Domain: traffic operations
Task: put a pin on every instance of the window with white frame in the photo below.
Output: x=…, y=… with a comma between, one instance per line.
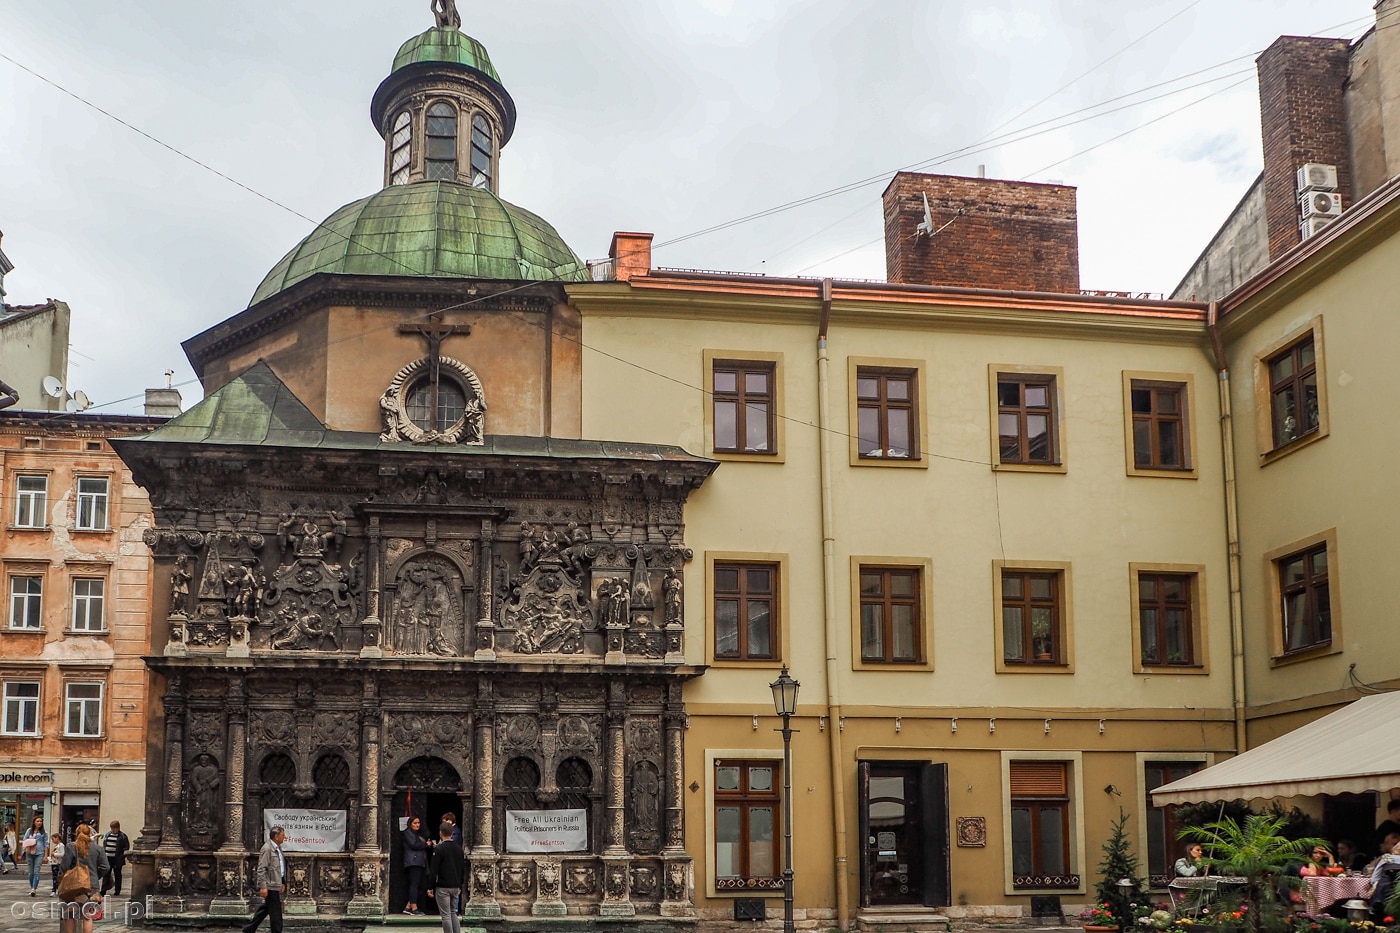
x=88, y=597
x=92, y=503
x=82, y=704
x=26, y=601
x=21, y=707
x=31, y=501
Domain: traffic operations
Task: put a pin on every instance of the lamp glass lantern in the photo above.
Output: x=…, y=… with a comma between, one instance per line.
x=785, y=693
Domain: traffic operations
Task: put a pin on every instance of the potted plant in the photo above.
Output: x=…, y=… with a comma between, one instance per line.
x=1254, y=849
x=1098, y=919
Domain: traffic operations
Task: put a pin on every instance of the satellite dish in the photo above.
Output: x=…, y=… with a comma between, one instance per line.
x=72, y=405
x=926, y=227
x=52, y=386
x=81, y=397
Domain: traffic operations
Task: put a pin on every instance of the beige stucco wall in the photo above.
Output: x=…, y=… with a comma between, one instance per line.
x=957, y=515
x=1341, y=481
x=33, y=346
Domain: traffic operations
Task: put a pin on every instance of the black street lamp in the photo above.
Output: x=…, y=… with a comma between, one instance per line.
x=785, y=702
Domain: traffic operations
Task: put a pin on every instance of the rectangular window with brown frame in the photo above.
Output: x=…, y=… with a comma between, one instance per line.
x=747, y=826
x=1032, y=616
x=1293, y=398
x=1163, y=845
x=887, y=413
x=1165, y=603
x=890, y=615
x=1026, y=419
x=1306, y=596
x=746, y=611
x=744, y=409
x=1040, y=825
x=1159, y=426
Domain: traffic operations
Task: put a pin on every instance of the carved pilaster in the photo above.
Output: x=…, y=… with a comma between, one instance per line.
x=371, y=628
x=675, y=781
x=231, y=901
x=676, y=899
x=481, y=884
x=368, y=902
x=615, y=759
x=617, y=885
x=486, y=572
x=174, y=763
x=549, y=898
x=485, y=768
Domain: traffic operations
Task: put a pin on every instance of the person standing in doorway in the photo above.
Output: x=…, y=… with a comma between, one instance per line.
x=35, y=845
x=272, y=868
x=114, y=843
x=415, y=860
x=446, y=872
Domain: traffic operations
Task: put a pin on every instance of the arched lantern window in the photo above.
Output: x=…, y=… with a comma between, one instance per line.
x=442, y=142
x=400, y=149
x=481, y=150
x=451, y=404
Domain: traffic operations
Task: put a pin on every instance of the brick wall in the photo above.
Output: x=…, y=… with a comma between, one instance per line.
x=1010, y=235
x=1303, y=119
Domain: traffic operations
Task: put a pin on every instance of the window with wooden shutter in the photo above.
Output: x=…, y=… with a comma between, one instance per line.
x=1040, y=857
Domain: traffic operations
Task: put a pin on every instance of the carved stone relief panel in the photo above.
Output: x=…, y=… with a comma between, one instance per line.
x=334, y=878
x=549, y=611
x=202, y=875
x=272, y=726
x=516, y=878
x=645, y=881
x=308, y=604
x=298, y=881
x=580, y=878
x=426, y=615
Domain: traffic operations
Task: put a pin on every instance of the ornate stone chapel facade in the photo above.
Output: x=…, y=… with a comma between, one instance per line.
x=393, y=580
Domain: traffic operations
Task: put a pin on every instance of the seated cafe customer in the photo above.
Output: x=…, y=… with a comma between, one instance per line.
x=1190, y=865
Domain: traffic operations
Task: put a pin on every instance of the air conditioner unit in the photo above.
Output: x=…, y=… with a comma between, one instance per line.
x=1317, y=176
x=1320, y=204
x=1314, y=225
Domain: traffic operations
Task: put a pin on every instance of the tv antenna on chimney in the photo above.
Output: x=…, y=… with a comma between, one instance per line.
x=926, y=227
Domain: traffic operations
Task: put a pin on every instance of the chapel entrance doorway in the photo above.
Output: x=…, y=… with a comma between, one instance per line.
x=904, y=834
x=427, y=788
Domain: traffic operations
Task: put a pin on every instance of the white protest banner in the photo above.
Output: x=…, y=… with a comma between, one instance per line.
x=309, y=830
x=546, y=830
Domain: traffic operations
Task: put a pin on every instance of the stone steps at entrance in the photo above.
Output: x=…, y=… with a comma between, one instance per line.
x=902, y=920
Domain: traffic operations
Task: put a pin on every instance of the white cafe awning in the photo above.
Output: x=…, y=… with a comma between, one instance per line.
x=1350, y=751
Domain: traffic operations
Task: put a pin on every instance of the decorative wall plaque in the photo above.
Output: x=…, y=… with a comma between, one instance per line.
x=972, y=831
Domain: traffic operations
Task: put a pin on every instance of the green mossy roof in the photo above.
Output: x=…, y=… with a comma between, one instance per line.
x=445, y=45
x=431, y=228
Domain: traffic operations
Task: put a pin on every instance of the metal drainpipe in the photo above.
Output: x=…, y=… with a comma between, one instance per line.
x=1232, y=530
x=833, y=669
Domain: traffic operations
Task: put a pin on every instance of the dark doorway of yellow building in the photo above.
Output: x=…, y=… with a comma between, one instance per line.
x=904, y=833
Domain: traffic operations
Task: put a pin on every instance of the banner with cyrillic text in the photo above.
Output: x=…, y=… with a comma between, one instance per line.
x=309, y=830
x=546, y=830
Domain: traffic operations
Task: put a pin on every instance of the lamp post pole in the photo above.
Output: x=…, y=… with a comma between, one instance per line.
x=785, y=702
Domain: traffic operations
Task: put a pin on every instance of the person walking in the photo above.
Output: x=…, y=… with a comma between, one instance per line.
x=56, y=853
x=114, y=843
x=7, y=849
x=415, y=861
x=446, y=871
x=272, y=867
x=35, y=845
x=86, y=851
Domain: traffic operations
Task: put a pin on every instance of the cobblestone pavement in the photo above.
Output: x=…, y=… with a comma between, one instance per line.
x=19, y=911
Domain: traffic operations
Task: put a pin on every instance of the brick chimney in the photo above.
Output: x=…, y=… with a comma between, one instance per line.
x=1303, y=118
x=630, y=254
x=1012, y=235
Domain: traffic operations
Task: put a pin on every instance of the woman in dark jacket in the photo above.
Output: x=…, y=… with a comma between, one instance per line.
x=415, y=860
x=96, y=860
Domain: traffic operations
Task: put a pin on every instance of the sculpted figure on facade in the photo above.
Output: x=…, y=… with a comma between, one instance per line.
x=671, y=589
x=180, y=577
x=205, y=783
x=307, y=603
x=549, y=611
x=427, y=609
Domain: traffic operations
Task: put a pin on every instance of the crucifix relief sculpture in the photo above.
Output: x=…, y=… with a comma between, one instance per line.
x=437, y=399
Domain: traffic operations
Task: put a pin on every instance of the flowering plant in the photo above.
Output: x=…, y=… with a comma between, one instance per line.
x=1100, y=915
x=1158, y=919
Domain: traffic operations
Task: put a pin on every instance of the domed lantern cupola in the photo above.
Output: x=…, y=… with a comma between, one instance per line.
x=443, y=111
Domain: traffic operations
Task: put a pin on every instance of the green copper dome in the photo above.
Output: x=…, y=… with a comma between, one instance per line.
x=432, y=228
x=445, y=44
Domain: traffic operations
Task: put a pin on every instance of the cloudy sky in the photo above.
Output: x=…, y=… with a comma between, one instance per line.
x=670, y=116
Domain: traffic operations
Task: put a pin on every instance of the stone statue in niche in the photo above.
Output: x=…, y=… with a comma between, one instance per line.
x=549, y=611
x=243, y=590
x=671, y=590
x=645, y=790
x=427, y=609
x=180, y=577
x=205, y=782
x=613, y=599
x=307, y=604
